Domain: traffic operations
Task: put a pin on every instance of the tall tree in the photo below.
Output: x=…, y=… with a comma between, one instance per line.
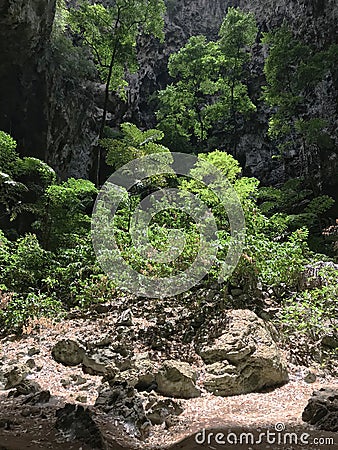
x=111, y=28
x=293, y=70
x=209, y=91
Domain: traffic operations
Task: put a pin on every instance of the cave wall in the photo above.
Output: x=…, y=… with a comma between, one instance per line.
x=56, y=119
x=25, y=27
x=313, y=20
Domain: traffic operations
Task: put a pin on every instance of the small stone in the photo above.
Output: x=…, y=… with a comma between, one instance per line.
x=65, y=382
x=78, y=379
x=125, y=319
x=16, y=375
x=39, y=397
x=30, y=363
x=310, y=377
x=33, y=351
x=27, y=387
x=236, y=292
x=330, y=341
x=81, y=398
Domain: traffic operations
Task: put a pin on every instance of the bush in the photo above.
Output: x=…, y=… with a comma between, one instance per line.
x=20, y=309
x=8, y=154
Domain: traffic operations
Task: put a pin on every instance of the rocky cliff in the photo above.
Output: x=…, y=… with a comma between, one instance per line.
x=54, y=118
x=314, y=21
x=25, y=27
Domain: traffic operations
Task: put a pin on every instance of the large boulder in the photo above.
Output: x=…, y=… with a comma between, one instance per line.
x=322, y=410
x=141, y=374
x=99, y=362
x=242, y=357
x=177, y=379
x=68, y=352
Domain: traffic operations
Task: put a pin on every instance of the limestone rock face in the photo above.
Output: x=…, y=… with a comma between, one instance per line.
x=177, y=379
x=57, y=118
x=322, y=410
x=243, y=357
x=25, y=28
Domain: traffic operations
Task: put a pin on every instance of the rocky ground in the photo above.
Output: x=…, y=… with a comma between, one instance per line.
x=142, y=374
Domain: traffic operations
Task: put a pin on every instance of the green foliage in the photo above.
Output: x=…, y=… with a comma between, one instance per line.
x=66, y=213
x=279, y=263
x=24, y=181
x=76, y=275
x=313, y=312
x=73, y=62
x=133, y=144
x=36, y=171
x=25, y=265
x=19, y=310
x=295, y=204
x=208, y=91
x=8, y=154
x=110, y=31
x=292, y=69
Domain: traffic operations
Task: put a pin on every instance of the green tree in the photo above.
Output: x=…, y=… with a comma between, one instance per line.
x=110, y=29
x=132, y=143
x=293, y=69
x=208, y=91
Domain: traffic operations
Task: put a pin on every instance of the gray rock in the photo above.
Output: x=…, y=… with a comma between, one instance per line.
x=33, y=351
x=236, y=292
x=78, y=423
x=123, y=402
x=37, y=398
x=313, y=275
x=310, y=376
x=322, y=410
x=141, y=376
x=27, y=387
x=162, y=410
x=68, y=352
x=125, y=319
x=30, y=363
x=177, y=379
x=330, y=341
x=104, y=361
x=15, y=375
x=243, y=358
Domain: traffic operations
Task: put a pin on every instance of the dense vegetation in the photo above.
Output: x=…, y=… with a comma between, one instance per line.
x=47, y=261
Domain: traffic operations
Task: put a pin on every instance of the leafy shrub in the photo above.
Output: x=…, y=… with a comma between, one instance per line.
x=20, y=309
x=66, y=212
x=26, y=264
x=8, y=154
x=310, y=316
